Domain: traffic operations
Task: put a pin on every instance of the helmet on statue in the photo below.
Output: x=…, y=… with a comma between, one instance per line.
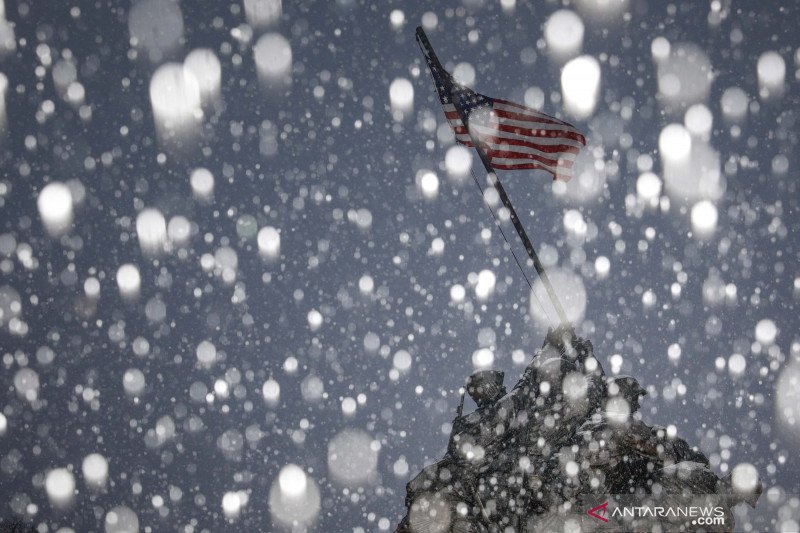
x=628, y=388
x=486, y=387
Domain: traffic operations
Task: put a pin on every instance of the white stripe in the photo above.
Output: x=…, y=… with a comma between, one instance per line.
x=511, y=109
x=455, y=123
x=528, y=112
x=521, y=162
x=566, y=156
x=567, y=173
x=533, y=125
x=502, y=135
x=482, y=130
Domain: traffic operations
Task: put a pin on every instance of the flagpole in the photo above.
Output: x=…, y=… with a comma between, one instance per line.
x=427, y=49
x=495, y=182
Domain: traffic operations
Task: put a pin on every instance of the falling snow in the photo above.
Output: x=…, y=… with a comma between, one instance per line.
x=245, y=271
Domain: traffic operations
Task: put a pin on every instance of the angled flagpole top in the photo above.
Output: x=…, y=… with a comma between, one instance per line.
x=459, y=98
x=427, y=49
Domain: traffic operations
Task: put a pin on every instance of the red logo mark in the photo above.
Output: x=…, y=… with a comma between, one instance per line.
x=593, y=512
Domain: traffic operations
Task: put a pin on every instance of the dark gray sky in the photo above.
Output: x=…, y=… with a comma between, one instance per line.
x=385, y=286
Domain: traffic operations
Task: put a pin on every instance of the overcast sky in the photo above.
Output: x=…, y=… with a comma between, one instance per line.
x=243, y=264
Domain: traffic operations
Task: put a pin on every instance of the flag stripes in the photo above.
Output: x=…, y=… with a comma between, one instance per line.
x=516, y=137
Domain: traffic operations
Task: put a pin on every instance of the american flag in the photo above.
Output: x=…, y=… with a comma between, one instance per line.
x=513, y=136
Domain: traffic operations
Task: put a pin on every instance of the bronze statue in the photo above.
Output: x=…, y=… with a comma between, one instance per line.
x=566, y=434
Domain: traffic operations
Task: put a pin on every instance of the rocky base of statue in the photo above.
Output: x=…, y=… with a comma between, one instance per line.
x=566, y=450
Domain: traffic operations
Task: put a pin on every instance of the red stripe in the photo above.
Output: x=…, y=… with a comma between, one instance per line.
x=540, y=133
x=549, y=148
x=522, y=167
x=533, y=111
x=541, y=119
x=531, y=165
x=517, y=155
x=574, y=135
x=518, y=106
x=530, y=118
x=557, y=149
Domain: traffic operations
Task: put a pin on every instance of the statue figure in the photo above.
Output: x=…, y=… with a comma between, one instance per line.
x=564, y=434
